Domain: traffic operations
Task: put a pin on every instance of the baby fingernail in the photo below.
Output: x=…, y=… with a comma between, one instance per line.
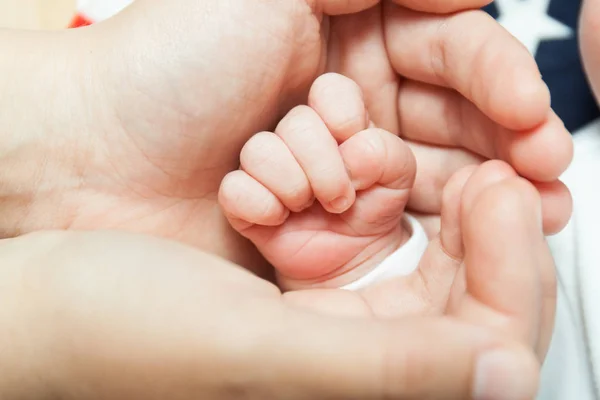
x=498, y=377
x=308, y=205
x=340, y=204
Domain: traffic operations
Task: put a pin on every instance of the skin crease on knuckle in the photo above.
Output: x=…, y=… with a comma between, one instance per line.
x=294, y=128
x=293, y=124
x=406, y=159
x=301, y=195
x=374, y=149
x=258, y=150
x=350, y=123
x=348, y=115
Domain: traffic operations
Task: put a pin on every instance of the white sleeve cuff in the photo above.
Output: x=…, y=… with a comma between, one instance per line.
x=402, y=262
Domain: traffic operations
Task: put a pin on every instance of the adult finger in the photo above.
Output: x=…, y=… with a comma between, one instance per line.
x=439, y=269
x=336, y=7
x=410, y=358
x=471, y=53
x=438, y=164
x=357, y=50
x=144, y=321
x=505, y=251
x=450, y=229
x=541, y=154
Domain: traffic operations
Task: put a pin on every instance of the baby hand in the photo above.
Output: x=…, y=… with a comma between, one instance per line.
x=323, y=196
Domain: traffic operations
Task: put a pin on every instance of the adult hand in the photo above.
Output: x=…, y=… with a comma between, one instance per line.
x=106, y=315
x=458, y=97
x=171, y=91
x=489, y=265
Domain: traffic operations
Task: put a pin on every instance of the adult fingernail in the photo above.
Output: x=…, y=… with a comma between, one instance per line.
x=502, y=375
x=340, y=204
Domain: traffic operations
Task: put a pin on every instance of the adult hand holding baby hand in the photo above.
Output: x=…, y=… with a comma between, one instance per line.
x=179, y=87
x=285, y=198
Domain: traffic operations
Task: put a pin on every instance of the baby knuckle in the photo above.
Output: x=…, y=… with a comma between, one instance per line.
x=259, y=150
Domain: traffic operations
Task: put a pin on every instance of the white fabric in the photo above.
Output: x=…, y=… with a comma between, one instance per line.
x=572, y=369
x=96, y=11
x=402, y=262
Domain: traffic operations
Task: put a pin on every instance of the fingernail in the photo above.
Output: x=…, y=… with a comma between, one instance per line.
x=340, y=204
x=498, y=376
x=308, y=205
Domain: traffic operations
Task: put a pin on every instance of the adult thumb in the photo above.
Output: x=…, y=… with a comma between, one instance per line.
x=413, y=358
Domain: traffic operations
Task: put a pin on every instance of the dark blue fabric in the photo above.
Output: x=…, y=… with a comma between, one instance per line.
x=560, y=64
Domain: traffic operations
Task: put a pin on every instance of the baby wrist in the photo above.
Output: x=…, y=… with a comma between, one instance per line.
x=401, y=262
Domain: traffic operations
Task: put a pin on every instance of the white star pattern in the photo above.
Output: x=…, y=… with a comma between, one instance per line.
x=528, y=21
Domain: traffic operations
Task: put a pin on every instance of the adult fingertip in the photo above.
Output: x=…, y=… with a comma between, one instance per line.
x=519, y=98
x=513, y=199
x=531, y=102
x=485, y=176
x=557, y=206
x=505, y=374
x=542, y=154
